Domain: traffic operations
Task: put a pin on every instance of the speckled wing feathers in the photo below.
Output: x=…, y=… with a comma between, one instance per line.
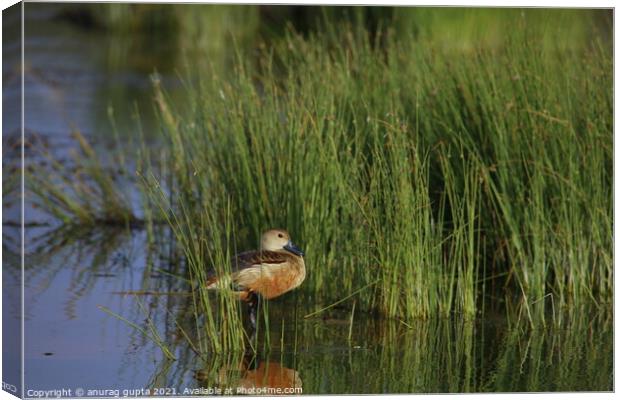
x=253, y=258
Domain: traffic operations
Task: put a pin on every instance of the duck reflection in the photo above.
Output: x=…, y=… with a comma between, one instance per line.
x=254, y=376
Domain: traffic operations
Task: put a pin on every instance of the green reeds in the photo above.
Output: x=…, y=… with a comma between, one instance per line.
x=203, y=234
x=391, y=158
x=429, y=172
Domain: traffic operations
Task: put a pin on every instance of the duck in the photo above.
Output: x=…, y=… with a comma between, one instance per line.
x=277, y=267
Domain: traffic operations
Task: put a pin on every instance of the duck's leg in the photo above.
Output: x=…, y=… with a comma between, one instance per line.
x=253, y=303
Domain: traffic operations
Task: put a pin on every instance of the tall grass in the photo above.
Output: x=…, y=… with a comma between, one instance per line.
x=217, y=316
x=405, y=164
x=426, y=169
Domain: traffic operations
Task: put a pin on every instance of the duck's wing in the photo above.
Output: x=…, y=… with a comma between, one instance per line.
x=249, y=266
x=249, y=259
x=269, y=273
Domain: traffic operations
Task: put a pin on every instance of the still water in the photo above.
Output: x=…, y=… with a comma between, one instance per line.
x=75, y=78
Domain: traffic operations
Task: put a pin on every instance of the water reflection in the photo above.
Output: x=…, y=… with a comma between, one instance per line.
x=73, y=272
x=251, y=375
x=87, y=255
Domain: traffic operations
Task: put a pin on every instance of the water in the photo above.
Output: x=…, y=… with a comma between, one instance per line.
x=74, y=77
x=72, y=343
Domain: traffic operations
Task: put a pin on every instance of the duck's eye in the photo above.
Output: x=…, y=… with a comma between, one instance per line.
x=280, y=235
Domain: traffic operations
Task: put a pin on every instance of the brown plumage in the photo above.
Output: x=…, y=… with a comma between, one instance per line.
x=275, y=269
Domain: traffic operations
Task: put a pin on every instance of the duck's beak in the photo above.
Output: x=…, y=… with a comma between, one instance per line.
x=290, y=246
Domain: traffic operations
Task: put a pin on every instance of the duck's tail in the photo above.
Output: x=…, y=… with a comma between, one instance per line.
x=213, y=283
x=216, y=283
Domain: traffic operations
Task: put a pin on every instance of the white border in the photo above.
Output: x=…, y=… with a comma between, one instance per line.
x=462, y=3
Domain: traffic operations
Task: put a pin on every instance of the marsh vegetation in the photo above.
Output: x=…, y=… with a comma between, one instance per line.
x=441, y=169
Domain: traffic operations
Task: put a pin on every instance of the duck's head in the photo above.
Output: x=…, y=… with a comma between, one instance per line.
x=279, y=239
